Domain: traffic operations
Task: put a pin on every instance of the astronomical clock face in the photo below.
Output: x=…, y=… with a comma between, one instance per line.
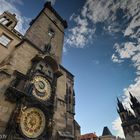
x=42, y=88
x=32, y=122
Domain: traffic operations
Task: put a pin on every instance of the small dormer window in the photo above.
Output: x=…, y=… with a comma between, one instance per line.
x=9, y=23
x=5, y=21
x=51, y=32
x=5, y=40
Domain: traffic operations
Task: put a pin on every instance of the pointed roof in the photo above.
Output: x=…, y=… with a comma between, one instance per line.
x=134, y=101
x=120, y=106
x=106, y=131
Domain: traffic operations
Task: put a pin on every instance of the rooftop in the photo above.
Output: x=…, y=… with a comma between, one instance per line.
x=89, y=135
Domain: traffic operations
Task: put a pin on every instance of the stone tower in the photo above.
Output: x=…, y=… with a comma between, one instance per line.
x=130, y=121
x=37, y=98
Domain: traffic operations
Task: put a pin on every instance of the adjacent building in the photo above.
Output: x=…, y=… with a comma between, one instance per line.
x=37, y=98
x=130, y=121
x=89, y=136
x=107, y=135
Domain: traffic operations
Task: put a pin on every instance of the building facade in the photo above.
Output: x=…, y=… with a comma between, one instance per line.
x=130, y=121
x=37, y=99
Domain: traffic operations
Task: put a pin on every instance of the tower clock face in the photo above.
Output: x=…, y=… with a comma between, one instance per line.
x=42, y=88
x=32, y=122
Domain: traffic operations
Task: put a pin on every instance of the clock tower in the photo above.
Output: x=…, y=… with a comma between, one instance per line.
x=37, y=96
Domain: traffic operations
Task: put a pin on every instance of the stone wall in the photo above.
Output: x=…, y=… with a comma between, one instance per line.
x=39, y=30
x=6, y=50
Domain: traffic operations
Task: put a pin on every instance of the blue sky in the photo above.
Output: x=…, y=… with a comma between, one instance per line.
x=101, y=49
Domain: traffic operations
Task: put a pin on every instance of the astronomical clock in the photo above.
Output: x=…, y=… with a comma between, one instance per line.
x=42, y=88
x=33, y=115
x=32, y=122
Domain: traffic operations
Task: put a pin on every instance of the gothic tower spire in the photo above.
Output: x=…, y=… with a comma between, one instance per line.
x=120, y=106
x=122, y=111
x=135, y=104
x=130, y=122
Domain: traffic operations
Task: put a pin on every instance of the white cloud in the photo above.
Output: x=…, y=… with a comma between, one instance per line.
x=78, y=33
x=98, y=11
x=125, y=50
x=115, y=59
x=95, y=11
x=16, y=1
x=117, y=127
x=23, y=22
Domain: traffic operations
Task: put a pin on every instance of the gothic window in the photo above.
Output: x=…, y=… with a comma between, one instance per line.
x=5, y=40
